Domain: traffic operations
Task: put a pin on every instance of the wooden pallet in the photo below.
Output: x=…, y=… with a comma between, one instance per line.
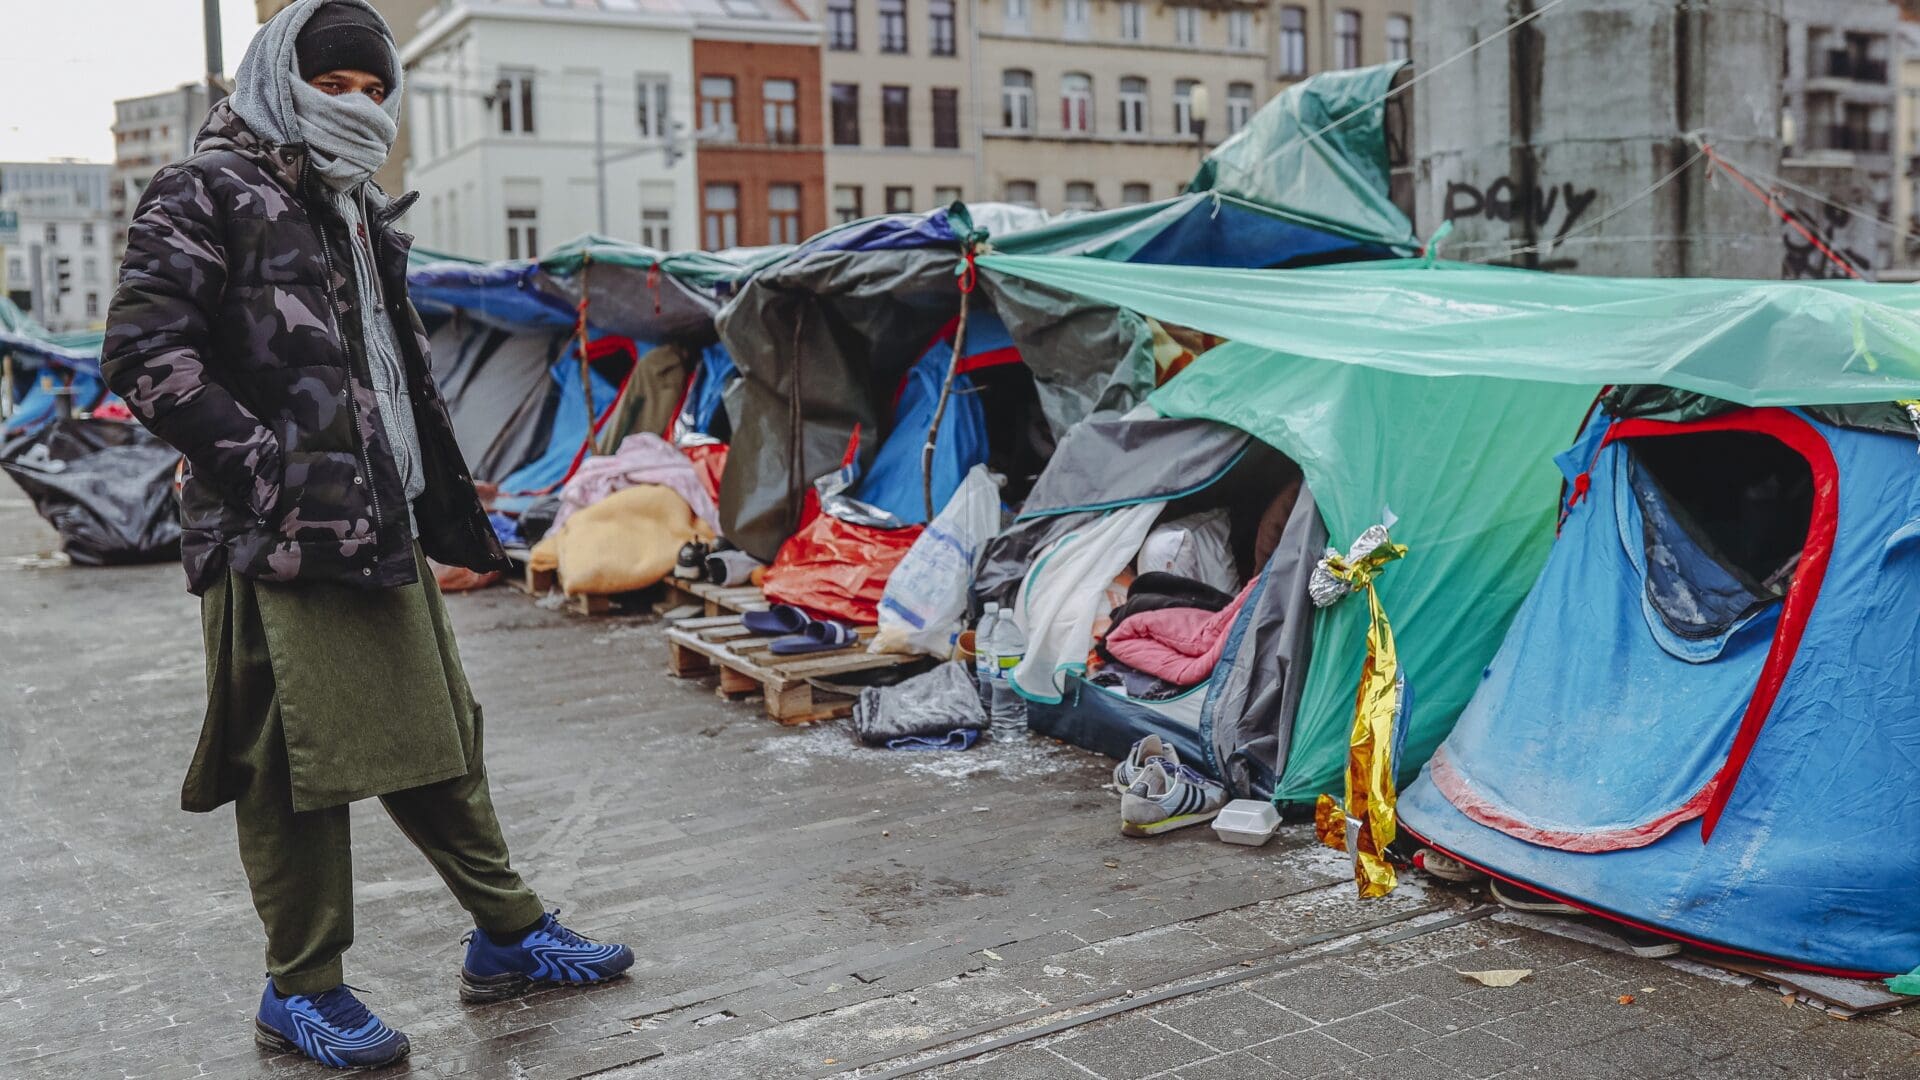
x=538, y=583
x=746, y=665
x=713, y=600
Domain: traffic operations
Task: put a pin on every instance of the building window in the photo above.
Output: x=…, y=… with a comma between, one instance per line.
x=848, y=203
x=1133, y=105
x=846, y=114
x=899, y=200
x=783, y=213
x=1014, y=16
x=1183, y=106
x=1240, y=29
x=843, y=27
x=1293, y=42
x=946, y=118
x=893, y=26
x=651, y=96
x=1135, y=193
x=89, y=266
x=1133, y=20
x=720, y=216
x=780, y=101
x=1399, y=37
x=1076, y=15
x=945, y=196
x=893, y=116
x=1080, y=196
x=1239, y=106
x=940, y=39
x=86, y=234
x=1346, y=38
x=716, y=108
x=1016, y=100
x=1076, y=103
x=1022, y=193
x=52, y=234
x=93, y=305
x=656, y=214
x=1186, y=25
x=514, y=96
x=523, y=232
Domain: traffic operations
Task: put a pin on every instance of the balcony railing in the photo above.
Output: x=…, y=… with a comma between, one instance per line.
x=1844, y=64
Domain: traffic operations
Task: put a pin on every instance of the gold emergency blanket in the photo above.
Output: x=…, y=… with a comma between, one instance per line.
x=1366, y=824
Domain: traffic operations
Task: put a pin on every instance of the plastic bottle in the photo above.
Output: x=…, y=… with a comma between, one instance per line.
x=986, y=666
x=1008, y=646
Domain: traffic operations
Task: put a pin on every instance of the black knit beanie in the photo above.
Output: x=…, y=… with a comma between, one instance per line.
x=344, y=36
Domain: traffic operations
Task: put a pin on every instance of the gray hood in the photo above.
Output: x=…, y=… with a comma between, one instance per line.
x=348, y=137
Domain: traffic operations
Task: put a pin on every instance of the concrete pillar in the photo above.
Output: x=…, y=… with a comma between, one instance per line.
x=1541, y=146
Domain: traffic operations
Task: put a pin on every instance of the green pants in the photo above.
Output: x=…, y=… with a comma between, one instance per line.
x=320, y=695
x=300, y=865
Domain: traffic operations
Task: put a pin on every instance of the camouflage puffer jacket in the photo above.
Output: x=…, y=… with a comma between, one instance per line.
x=235, y=336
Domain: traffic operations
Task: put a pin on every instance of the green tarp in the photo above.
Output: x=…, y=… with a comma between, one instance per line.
x=1439, y=399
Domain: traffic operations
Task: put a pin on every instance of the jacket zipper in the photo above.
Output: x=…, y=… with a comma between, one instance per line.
x=353, y=407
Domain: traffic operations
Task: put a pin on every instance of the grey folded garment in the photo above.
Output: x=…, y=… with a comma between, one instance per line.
x=934, y=705
x=731, y=567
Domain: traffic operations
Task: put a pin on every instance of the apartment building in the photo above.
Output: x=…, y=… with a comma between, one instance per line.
x=1906, y=149
x=61, y=270
x=1084, y=104
x=1838, y=96
x=759, y=135
x=896, y=78
x=534, y=123
x=149, y=133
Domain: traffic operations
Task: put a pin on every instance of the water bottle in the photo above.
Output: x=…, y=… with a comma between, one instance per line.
x=986, y=667
x=1008, y=647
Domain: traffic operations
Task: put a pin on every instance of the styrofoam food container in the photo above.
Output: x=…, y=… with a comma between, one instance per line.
x=1247, y=821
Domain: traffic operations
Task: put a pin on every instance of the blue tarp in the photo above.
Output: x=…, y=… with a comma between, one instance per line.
x=40, y=404
x=895, y=481
x=704, y=398
x=569, y=432
x=1583, y=762
x=500, y=294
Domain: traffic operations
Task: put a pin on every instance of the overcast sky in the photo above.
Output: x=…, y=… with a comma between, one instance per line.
x=63, y=62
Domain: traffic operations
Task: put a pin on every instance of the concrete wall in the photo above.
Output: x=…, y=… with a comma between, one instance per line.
x=1542, y=145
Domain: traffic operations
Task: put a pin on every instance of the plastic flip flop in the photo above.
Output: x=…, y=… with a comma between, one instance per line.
x=823, y=636
x=778, y=619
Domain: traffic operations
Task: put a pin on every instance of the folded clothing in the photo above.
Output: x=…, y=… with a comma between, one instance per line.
x=1137, y=685
x=929, y=706
x=957, y=739
x=1181, y=644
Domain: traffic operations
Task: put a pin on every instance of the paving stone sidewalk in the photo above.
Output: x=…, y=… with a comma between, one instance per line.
x=802, y=908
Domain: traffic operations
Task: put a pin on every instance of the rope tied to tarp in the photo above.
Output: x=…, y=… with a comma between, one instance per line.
x=967, y=276
x=1365, y=822
x=653, y=285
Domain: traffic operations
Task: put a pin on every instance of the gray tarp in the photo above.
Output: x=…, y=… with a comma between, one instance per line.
x=822, y=340
x=495, y=384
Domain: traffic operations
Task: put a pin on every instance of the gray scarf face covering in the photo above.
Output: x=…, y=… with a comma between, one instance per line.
x=348, y=137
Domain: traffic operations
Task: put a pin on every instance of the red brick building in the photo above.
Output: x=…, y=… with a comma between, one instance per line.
x=760, y=150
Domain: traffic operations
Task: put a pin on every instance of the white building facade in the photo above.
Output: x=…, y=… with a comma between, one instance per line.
x=65, y=234
x=503, y=97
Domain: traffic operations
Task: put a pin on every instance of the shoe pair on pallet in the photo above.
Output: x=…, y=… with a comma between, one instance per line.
x=1158, y=794
x=719, y=563
x=335, y=1029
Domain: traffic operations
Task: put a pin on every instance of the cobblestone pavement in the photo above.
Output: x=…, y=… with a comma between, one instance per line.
x=801, y=908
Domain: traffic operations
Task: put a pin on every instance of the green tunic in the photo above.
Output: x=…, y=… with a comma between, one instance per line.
x=367, y=685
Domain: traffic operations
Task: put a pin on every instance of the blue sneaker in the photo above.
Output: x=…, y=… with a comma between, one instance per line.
x=331, y=1028
x=551, y=955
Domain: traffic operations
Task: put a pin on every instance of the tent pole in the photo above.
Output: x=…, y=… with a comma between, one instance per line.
x=586, y=369
x=946, y=390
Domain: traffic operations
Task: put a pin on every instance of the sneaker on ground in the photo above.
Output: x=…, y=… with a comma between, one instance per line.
x=691, y=565
x=1164, y=798
x=1521, y=898
x=332, y=1028
x=551, y=955
x=1445, y=867
x=1147, y=749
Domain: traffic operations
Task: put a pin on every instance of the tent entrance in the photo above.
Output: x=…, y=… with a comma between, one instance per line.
x=1723, y=518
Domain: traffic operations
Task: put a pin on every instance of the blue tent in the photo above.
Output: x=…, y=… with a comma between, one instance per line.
x=1703, y=719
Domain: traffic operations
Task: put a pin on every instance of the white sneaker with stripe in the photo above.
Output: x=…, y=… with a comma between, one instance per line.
x=1165, y=798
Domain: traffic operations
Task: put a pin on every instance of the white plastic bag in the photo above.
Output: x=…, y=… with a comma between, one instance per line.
x=924, y=605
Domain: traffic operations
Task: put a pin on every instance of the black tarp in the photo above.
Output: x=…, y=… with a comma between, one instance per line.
x=106, y=486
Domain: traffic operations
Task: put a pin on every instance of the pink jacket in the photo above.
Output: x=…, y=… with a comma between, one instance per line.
x=1180, y=645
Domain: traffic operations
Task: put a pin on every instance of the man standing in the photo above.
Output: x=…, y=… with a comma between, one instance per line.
x=262, y=328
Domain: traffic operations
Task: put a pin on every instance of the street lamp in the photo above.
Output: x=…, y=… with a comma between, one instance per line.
x=1198, y=102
